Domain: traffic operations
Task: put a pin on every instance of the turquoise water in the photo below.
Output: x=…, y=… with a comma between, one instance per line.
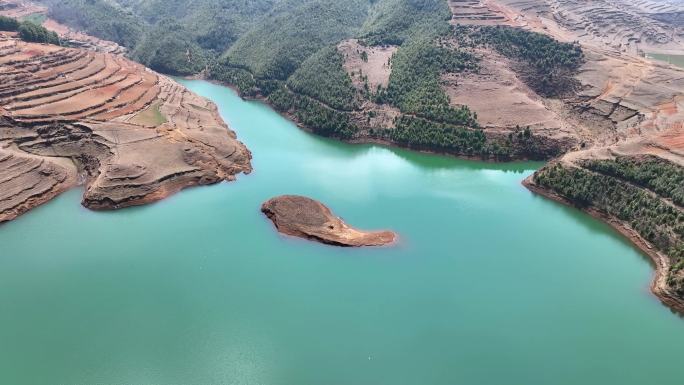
x=677, y=60
x=489, y=284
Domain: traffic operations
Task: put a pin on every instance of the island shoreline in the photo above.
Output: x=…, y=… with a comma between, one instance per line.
x=661, y=262
x=309, y=219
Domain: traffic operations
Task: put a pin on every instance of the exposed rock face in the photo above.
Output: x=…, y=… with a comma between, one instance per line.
x=306, y=218
x=132, y=135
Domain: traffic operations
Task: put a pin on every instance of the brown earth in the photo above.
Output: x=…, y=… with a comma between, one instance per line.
x=619, y=25
x=19, y=9
x=71, y=116
x=375, y=72
x=500, y=98
x=478, y=12
x=376, y=69
x=309, y=219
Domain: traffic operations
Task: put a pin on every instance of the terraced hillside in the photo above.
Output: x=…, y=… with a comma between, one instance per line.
x=524, y=105
x=477, y=12
x=622, y=25
x=71, y=116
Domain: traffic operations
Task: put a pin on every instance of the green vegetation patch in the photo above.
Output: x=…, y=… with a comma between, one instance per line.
x=168, y=48
x=414, y=85
x=322, y=77
x=424, y=134
x=9, y=24
x=656, y=174
x=293, y=31
x=101, y=18
x=392, y=22
x=35, y=18
x=320, y=119
x=241, y=78
x=29, y=31
x=172, y=36
x=151, y=116
x=213, y=24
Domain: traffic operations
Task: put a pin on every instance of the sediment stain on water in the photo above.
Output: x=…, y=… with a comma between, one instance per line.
x=488, y=285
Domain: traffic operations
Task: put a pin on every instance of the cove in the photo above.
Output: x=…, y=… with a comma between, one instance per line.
x=488, y=285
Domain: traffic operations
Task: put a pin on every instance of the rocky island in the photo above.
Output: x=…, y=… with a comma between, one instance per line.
x=306, y=218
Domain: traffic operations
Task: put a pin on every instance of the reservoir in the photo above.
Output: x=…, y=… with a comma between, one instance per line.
x=488, y=285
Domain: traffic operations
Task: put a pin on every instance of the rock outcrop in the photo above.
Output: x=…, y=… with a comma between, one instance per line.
x=306, y=218
x=132, y=136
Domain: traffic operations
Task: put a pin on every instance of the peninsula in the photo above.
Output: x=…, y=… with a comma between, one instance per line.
x=72, y=116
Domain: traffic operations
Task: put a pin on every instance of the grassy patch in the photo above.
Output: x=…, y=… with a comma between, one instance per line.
x=35, y=18
x=151, y=116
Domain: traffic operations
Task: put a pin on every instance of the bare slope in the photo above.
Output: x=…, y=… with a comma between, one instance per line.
x=69, y=115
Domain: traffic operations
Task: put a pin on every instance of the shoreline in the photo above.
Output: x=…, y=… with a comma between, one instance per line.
x=658, y=286
x=662, y=263
x=363, y=140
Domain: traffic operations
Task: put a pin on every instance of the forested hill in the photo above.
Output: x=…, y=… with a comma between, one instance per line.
x=269, y=37
x=289, y=52
x=294, y=30
x=178, y=37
